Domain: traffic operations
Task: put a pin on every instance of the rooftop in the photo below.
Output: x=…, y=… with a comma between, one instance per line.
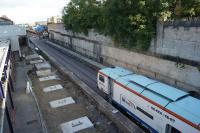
x=116, y=72
x=5, y=21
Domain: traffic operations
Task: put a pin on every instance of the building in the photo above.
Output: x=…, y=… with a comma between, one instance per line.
x=5, y=21
x=6, y=87
x=11, y=32
x=41, y=23
x=55, y=19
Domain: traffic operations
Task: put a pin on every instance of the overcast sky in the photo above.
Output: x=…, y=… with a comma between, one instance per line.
x=26, y=11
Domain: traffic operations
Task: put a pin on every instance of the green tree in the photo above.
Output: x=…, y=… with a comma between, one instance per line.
x=82, y=15
x=131, y=23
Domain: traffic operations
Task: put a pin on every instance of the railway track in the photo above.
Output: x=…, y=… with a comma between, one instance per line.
x=84, y=72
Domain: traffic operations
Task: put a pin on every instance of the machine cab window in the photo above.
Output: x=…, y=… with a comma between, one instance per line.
x=101, y=78
x=103, y=83
x=171, y=129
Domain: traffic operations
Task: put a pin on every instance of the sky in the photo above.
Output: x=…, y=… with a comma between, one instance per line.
x=28, y=11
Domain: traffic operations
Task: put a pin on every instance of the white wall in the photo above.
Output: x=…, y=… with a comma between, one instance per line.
x=187, y=78
x=178, y=40
x=12, y=32
x=154, y=67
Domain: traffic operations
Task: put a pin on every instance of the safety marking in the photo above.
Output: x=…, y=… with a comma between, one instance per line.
x=62, y=102
x=36, y=61
x=76, y=125
x=53, y=88
x=53, y=77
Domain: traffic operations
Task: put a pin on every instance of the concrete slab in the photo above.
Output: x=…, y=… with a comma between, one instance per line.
x=33, y=56
x=61, y=102
x=44, y=65
x=41, y=57
x=36, y=61
x=44, y=72
x=53, y=77
x=76, y=125
x=53, y=88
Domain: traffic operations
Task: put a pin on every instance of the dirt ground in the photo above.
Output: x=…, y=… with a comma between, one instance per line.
x=83, y=106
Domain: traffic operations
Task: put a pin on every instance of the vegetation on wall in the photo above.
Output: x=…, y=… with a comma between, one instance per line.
x=131, y=23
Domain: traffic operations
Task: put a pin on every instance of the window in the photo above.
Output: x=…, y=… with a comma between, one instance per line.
x=171, y=129
x=144, y=112
x=101, y=78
